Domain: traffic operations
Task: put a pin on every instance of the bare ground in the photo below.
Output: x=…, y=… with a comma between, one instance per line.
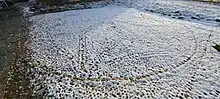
x=13, y=33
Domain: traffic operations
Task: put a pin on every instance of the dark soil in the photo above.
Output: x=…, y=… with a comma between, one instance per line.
x=10, y=21
x=13, y=34
x=44, y=9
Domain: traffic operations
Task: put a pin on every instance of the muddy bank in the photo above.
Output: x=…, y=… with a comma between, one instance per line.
x=13, y=34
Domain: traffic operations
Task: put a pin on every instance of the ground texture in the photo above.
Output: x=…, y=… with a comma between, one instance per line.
x=13, y=34
x=120, y=51
x=10, y=26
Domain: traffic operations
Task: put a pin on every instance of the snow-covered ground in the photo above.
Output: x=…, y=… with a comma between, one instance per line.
x=200, y=12
x=122, y=52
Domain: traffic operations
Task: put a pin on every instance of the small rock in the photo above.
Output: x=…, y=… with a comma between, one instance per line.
x=194, y=18
x=176, y=15
x=164, y=14
x=177, y=12
x=217, y=20
x=217, y=47
x=181, y=17
x=151, y=10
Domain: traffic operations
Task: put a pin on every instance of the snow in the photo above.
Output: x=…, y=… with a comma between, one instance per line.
x=180, y=9
x=122, y=52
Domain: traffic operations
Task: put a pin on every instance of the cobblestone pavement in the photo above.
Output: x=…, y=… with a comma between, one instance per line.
x=119, y=52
